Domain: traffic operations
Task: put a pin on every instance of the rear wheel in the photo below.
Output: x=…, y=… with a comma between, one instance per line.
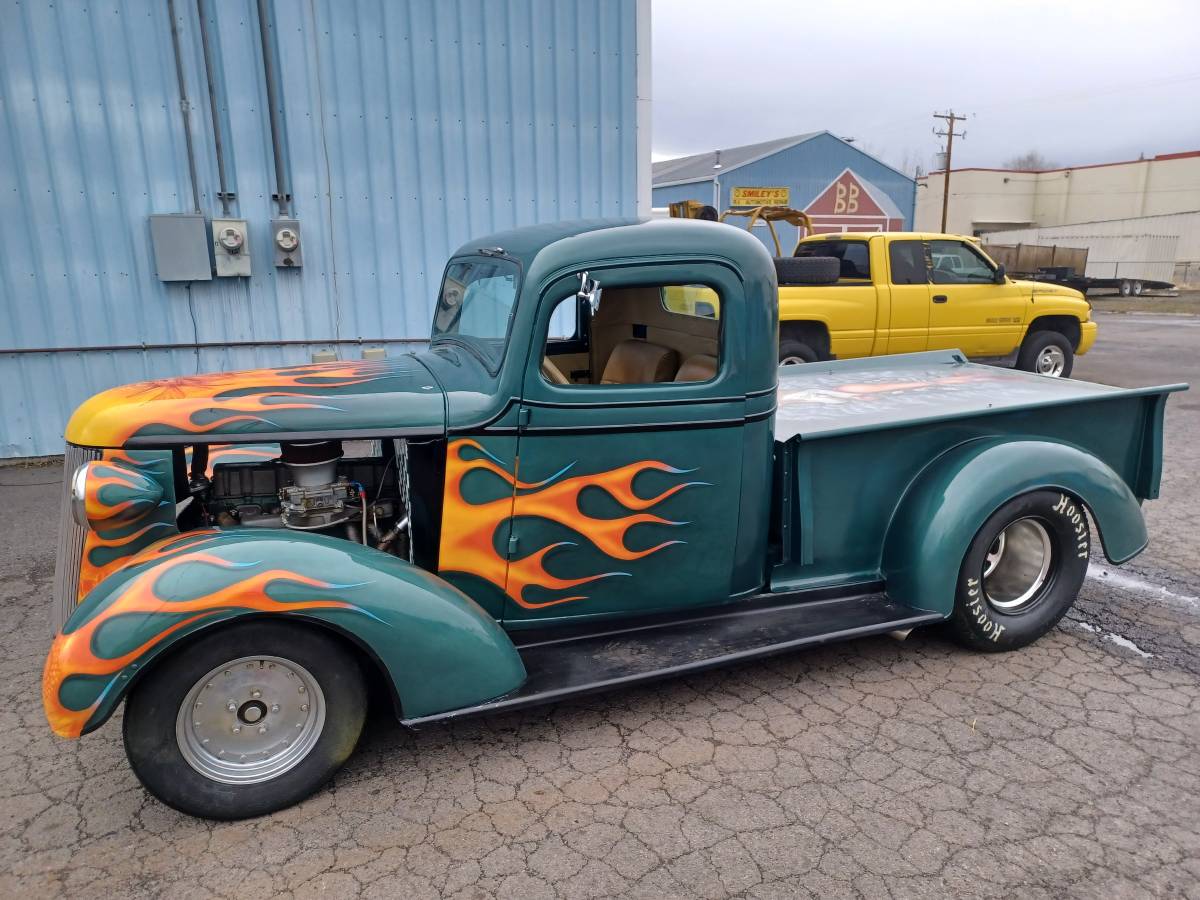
x=793, y=352
x=246, y=721
x=1047, y=353
x=1022, y=572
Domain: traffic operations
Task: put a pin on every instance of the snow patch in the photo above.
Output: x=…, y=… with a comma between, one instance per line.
x=1109, y=636
x=1128, y=645
x=1140, y=586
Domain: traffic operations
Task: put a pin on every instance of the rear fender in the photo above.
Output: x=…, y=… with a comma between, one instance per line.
x=438, y=647
x=949, y=501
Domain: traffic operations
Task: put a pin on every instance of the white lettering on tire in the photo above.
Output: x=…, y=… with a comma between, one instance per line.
x=990, y=627
x=1078, y=522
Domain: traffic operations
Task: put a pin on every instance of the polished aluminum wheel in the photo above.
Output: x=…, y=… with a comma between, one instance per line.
x=1017, y=565
x=1051, y=361
x=250, y=720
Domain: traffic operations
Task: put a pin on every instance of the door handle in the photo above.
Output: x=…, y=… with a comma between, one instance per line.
x=940, y=298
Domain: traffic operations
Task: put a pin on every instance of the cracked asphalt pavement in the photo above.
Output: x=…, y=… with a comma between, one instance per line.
x=865, y=769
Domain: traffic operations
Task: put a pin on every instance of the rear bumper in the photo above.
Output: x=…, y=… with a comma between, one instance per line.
x=1087, y=337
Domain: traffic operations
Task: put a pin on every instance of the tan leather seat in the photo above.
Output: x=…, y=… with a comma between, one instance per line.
x=639, y=362
x=700, y=367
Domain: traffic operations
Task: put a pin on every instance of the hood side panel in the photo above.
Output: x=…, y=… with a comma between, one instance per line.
x=339, y=399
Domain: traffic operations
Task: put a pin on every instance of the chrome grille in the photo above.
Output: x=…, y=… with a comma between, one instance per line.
x=70, y=542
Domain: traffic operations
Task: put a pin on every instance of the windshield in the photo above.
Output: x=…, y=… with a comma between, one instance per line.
x=476, y=305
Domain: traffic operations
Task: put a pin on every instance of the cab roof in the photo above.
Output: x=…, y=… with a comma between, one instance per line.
x=897, y=235
x=563, y=244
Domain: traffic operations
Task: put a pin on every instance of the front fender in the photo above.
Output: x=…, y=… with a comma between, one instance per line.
x=440, y=649
x=945, y=506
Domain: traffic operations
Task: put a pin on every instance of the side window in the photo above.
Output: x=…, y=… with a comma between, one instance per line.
x=957, y=263
x=645, y=335
x=907, y=260
x=564, y=324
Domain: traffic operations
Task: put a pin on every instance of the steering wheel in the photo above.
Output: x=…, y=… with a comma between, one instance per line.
x=552, y=372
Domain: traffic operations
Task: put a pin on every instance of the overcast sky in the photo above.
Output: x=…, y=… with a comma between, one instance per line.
x=1080, y=82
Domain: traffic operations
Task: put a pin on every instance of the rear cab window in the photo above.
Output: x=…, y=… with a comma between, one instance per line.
x=854, y=257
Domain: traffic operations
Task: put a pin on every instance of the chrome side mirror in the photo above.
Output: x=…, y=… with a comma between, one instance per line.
x=589, y=291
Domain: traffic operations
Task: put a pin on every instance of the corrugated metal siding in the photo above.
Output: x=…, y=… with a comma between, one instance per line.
x=410, y=127
x=807, y=169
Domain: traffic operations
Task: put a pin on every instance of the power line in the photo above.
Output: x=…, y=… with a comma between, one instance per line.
x=949, y=134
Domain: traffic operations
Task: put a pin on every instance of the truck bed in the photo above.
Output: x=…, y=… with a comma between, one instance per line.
x=834, y=398
x=854, y=435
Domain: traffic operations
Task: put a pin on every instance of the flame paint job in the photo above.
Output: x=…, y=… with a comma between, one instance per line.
x=470, y=528
x=223, y=454
x=439, y=648
x=80, y=653
x=322, y=396
x=130, y=502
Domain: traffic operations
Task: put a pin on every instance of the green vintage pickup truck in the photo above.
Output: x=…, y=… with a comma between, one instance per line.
x=595, y=475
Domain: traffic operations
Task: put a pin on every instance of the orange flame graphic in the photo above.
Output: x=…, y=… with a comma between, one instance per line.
x=73, y=654
x=469, y=530
x=101, y=514
x=259, y=393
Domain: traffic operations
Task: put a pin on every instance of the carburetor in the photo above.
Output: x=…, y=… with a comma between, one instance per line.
x=318, y=497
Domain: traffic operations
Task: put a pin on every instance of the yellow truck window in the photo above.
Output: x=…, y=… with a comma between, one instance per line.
x=907, y=259
x=854, y=257
x=955, y=262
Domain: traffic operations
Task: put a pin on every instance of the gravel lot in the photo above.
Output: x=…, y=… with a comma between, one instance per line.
x=873, y=768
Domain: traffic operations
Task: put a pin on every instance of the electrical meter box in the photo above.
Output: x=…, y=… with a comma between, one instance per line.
x=231, y=247
x=285, y=239
x=180, y=242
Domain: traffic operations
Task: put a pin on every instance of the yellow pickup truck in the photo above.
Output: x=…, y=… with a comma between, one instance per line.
x=852, y=295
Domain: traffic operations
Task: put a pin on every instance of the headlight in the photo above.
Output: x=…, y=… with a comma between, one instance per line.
x=79, y=496
x=107, y=495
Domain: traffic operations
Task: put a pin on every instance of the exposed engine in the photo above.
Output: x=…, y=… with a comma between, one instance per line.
x=316, y=486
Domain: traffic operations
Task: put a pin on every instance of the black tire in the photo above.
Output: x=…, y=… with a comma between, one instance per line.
x=793, y=352
x=989, y=612
x=1137, y=287
x=1039, y=342
x=807, y=269
x=154, y=750
x=1126, y=288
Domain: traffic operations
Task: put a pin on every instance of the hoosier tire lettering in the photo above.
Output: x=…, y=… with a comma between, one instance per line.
x=989, y=626
x=1078, y=521
x=1021, y=572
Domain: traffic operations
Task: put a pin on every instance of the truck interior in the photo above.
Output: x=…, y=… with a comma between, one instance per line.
x=639, y=335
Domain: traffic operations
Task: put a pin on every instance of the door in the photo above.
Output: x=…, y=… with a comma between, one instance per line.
x=629, y=470
x=908, y=282
x=970, y=310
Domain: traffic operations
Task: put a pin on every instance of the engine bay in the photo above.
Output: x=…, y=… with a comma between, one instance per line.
x=357, y=491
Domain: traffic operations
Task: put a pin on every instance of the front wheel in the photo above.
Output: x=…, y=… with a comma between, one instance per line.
x=1047, y=353
x=245, y=721
x=1022, y=572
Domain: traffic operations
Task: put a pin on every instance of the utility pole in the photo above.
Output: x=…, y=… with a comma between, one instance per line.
x=949, y=134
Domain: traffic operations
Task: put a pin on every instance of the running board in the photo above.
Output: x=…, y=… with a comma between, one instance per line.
x=582, y=664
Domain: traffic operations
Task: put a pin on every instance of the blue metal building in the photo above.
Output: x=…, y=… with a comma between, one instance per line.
x=841, y=187
x=404, y=128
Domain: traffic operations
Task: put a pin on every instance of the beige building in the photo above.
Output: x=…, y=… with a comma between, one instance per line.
x=989, y=200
